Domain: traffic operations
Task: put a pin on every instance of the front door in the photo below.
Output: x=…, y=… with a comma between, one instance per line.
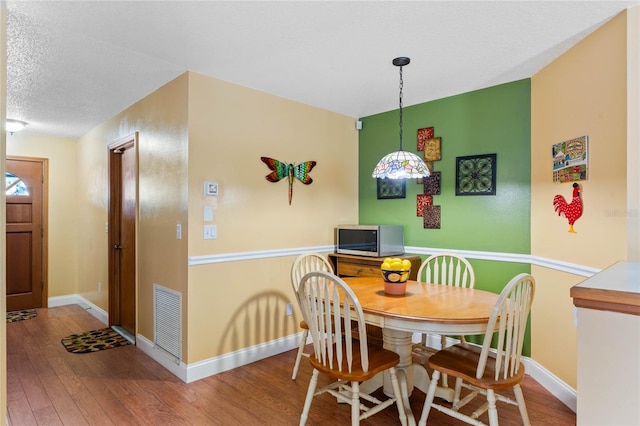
x=123, y=203
x=26, y=280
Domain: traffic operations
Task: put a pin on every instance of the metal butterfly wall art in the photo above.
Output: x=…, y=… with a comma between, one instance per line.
x=282, y=170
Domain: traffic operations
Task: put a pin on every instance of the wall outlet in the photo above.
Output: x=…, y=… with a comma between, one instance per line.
x=289, y=309
x=99, y=287
x=210, y=232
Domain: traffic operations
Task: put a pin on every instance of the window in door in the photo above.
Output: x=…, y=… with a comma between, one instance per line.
x=14, y=185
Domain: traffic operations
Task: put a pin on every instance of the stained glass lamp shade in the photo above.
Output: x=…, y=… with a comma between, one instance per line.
x=400, y=164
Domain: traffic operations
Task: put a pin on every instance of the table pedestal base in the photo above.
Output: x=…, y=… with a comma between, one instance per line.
x=410, y=375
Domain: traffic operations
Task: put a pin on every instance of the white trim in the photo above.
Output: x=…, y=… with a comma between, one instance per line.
x=212, y=366
x=571, y=268
x=76, y=299
x=177, y=368
x=251, y=255
x=552, y=383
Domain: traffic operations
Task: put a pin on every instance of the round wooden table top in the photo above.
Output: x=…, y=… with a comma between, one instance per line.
x=435, y=303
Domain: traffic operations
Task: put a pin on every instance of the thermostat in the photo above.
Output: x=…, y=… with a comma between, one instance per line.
x=211, y=188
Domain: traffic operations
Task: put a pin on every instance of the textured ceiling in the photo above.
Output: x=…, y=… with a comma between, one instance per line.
x=74, y=64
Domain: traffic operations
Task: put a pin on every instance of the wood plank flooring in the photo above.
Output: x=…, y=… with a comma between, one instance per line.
x=46, y=385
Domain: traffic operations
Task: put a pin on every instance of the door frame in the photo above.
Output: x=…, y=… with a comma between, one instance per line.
x=45, y=220
x=114, y=223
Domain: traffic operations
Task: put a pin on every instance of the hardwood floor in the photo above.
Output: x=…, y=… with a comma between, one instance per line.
x=46, y=385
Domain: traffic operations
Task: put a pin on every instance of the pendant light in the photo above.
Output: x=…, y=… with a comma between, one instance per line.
x=400, y=164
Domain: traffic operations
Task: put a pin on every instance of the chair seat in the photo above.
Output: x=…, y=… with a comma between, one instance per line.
x=380, y=359
x=461, y=360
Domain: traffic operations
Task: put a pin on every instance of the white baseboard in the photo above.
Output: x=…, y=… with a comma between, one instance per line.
x=212, y=366
x=553, y=384
x=76, y=299
x=199, y=370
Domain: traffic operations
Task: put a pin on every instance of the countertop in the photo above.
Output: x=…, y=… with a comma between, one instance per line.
x=615, y=289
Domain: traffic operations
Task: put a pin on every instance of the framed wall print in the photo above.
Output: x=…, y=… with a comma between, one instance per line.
x=570, y=160
x=391, y=188
x=476, y=175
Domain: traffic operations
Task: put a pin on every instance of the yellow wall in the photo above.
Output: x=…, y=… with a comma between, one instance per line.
x=583, y=92
x=161, y=120
x=197, y=128
x=230, y=128
x=63, y=214
x=633, y=133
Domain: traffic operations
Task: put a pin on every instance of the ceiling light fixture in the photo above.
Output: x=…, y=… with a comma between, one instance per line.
x=15, y=125
x=400, y=164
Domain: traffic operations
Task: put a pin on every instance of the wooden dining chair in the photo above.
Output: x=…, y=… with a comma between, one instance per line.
x=343, y=353
x=303, y=264
x=447, y=269
x=483, y=370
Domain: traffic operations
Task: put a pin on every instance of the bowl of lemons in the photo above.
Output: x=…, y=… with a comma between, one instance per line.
x=395, y=272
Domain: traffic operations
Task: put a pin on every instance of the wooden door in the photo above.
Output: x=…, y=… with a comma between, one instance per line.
x=122, y=234
x=25, y=233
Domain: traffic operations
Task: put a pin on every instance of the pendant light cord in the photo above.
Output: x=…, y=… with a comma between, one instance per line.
x=400, y=108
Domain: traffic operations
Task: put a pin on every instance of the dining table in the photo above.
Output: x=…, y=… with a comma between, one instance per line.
x=423, y=308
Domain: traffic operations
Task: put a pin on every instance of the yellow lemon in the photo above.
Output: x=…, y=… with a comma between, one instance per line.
x=387, y=260
x=406, y=264
x=396, y=264
x=386, y=265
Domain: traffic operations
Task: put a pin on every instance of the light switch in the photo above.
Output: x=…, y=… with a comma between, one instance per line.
x=208, y=213
x=210, y=232
x=178, y=231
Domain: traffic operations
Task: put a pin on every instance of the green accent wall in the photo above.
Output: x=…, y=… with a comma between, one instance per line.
x=494, y=120
x=487, y=121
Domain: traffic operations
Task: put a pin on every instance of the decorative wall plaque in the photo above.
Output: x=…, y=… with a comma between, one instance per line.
x=423, y=135
x=391, y=188
x=476, y=175
x=432, y=184
x=432, y=149
x=423, y=200
x=431, y=217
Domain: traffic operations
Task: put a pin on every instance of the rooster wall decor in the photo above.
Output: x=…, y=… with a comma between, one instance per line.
x=573, y=210
x=281, y=170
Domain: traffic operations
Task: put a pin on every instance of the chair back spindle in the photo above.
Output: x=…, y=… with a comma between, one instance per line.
x=496, y=365
x=509, y=319
x=336, y=324
x=303, y=264
x=325, y=300
x=447, y=269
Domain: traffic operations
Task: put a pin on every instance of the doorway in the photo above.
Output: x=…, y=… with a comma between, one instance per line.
x=123, y=205
x=26, y=233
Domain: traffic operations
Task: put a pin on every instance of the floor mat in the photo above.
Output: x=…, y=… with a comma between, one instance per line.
x=94, y=341
x=24, y=314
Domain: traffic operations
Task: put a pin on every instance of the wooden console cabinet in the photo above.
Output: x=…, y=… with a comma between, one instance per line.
x=346, y=265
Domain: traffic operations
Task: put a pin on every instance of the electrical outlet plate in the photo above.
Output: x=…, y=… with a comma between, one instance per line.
x=210, y=232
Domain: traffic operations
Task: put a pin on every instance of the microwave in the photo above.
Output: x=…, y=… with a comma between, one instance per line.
x=370, y=240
